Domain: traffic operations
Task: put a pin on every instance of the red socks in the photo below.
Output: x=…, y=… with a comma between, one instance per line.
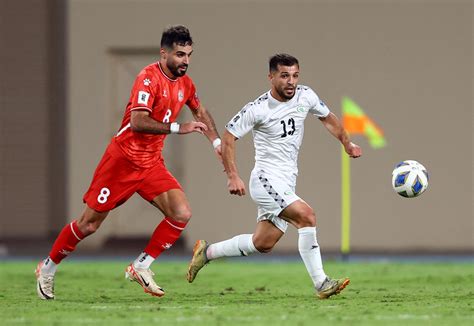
x=66, y=242
x=164, y=236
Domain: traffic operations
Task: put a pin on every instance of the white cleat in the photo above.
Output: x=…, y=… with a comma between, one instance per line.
x=44, y=283
x=144, y=277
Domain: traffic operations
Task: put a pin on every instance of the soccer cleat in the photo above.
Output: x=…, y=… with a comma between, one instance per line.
x=331, y=287
x=199, y=259
x=144, y=277
x=44, y=283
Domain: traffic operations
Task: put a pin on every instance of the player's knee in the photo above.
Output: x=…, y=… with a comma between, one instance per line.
x=90, y=221
x=263, y=247
x=89, y=228
x=306, y=219
x=182, y=215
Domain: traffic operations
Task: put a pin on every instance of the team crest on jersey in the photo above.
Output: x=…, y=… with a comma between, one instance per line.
x=180, y=95
x=301, y=109
x=146, y=82
x=165, y=94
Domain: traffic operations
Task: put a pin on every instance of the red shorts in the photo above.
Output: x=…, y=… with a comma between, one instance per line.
x=116, y=179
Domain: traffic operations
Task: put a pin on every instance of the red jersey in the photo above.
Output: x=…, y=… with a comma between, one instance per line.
x=164, y=98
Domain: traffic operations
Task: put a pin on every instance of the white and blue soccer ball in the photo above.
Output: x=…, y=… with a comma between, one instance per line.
x=410, y=179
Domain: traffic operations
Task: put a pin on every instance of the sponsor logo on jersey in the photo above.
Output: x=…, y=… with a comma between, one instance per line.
x=146, y=82
x=143, y=97
x=180, y=95
x=288, y=192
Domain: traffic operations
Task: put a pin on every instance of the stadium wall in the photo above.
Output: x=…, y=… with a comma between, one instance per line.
x=32, y=119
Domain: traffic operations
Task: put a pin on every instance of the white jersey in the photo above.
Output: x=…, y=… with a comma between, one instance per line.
x=277, y=129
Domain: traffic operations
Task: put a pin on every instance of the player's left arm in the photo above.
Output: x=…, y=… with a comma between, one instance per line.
x=204, y=116
x=334, y=126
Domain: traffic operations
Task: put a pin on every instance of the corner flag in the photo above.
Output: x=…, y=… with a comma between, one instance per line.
x=356, y=122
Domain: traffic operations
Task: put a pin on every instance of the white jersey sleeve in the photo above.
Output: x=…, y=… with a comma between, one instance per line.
x=317, y=106
x=243, y=122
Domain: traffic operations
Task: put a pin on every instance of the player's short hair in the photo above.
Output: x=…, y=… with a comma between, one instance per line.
x=176, y=34
x=282, y=59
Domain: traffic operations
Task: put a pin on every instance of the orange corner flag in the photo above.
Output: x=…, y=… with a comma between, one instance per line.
x=355, y=121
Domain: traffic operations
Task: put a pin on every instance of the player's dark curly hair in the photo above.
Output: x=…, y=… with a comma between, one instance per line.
x=176, y=34
x=282, y=59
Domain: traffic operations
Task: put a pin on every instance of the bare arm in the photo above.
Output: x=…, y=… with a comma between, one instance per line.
x=334, y=126
x=140, y=121
x=204, y=116
x=234, y=183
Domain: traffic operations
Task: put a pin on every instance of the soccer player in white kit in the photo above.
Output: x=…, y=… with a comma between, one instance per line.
x=277, y=122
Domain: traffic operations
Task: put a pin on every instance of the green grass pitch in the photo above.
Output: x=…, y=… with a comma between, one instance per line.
x=241, y=293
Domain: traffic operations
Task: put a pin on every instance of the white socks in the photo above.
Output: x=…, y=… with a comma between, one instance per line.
x=240, y=245
x=311, y=254
x=49, y=266
x=143, y=261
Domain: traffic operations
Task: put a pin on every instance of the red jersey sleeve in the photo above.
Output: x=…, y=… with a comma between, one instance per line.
x=193, y=100
x=143, y=92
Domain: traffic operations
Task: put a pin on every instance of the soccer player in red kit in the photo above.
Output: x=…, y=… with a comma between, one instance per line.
x=133, y=163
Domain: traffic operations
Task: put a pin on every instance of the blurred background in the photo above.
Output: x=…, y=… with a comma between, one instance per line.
x=67, y=68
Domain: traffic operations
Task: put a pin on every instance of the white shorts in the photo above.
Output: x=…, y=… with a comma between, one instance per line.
x=272, y=195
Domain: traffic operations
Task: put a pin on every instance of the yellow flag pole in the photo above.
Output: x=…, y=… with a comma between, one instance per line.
x=345, y=203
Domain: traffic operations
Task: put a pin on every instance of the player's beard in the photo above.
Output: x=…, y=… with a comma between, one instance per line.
x=175, y=70
x=284, y=95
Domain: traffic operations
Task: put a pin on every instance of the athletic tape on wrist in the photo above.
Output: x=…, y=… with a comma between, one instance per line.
x=174, y=128
x=217, y=142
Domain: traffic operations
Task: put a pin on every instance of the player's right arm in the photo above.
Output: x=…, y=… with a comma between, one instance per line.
x=237, y=127
x=140, y=121
x=234, y=183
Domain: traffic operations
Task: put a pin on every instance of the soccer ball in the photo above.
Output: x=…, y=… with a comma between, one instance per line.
x=409, y=179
